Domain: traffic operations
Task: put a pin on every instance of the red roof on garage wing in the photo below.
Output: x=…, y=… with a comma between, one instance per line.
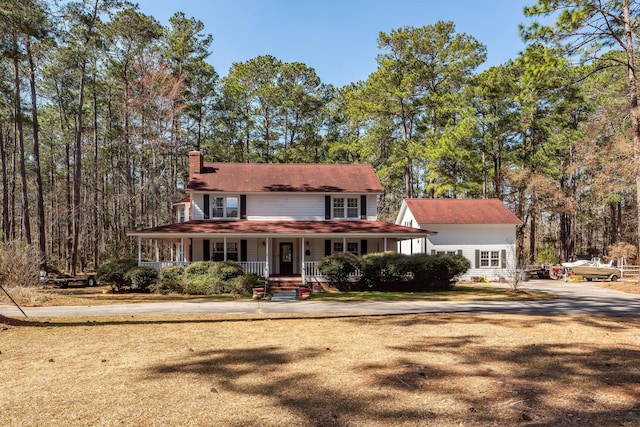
x=275, y=228
x=461, y=211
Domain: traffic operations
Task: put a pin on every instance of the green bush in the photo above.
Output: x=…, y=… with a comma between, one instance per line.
x=210, y=278
x=243, y=285
x=437, y=271
x=198, y=268
x=169, y=280
x=337, y=268
x=385, y=271
x=141, y=278
x=114, y=273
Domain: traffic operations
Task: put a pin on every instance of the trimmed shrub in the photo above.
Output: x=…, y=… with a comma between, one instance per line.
x=209, y=278
x=243, y=285
x=141, y=278
x=114, y=272
x=385, y=271
x=432, y=272
x=169, y=280
x=337, y=268
x=198, y=268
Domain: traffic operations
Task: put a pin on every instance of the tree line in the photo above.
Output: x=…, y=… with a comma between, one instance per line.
x=99, y=104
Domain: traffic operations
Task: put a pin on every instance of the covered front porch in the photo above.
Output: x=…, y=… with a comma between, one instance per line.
x=268, y=248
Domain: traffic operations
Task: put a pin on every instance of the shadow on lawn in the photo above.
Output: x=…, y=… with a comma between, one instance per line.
x=262, y=372
x=547, y=384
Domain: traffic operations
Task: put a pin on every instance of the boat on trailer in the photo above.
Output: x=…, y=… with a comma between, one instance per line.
x=594, y=269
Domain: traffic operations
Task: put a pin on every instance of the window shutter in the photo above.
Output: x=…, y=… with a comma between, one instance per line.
x=327, y=207
x=207, y=206
x=206, y=250
x=363, y=247
x=363, y=207
x=327, y=247
x=460, y=252
x=503, y=258
x=477, y=258
x=243, y=250
x=243, y=206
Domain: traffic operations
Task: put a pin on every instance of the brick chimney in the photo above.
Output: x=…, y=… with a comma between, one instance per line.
x=196, y=163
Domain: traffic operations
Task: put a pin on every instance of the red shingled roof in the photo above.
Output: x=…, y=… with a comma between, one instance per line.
x=461, y=211
x=262, y=228
x=276, y=177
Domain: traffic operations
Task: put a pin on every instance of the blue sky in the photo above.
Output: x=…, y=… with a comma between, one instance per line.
x=338, y=38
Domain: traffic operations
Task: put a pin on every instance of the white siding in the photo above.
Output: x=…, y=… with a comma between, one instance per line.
x=198, y=202
x=469, y=238
x=372, y=207
x=285, y=206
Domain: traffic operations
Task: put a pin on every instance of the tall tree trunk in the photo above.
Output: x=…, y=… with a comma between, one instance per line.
x=96, y=233
x=77, y=172
x=23, y=170
x=36, y=159
x=635, y=108
x=6, y=228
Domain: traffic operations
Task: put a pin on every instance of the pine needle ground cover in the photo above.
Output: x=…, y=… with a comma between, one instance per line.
x=472, y=370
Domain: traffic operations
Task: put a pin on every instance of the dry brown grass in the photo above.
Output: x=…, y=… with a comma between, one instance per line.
x=471, y=370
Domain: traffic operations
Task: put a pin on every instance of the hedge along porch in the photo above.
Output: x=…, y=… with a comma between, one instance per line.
x=274, y=248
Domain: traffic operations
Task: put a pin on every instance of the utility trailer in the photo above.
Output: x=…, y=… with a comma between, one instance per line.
x=64, y=280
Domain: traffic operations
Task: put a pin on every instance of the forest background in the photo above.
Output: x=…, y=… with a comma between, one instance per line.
x=100, y=104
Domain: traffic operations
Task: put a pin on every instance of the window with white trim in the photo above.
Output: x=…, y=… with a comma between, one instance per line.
x=346, y=207
x=352, y=247
x=338, y=247
x=182, y=214
x=218, y=251
x=489, y=259
x=224, y=207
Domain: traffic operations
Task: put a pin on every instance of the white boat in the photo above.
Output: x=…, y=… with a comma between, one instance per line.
x=594, y=269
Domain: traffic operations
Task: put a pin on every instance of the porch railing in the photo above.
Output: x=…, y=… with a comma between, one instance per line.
x=256, y=267
x=311, y=270
x=162, y=264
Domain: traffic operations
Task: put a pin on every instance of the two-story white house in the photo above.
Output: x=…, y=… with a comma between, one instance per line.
x=482, y=230
x=277, y=219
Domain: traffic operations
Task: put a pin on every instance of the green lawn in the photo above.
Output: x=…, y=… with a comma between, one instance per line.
x=466, y=292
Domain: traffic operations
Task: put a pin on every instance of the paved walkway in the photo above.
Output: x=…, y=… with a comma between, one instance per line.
x=574, y=298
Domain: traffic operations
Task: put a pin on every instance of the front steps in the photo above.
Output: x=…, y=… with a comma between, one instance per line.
x=284, y=283
x=290, y=283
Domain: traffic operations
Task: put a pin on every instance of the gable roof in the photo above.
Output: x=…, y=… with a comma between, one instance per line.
x=281, y=177
x=461, y=211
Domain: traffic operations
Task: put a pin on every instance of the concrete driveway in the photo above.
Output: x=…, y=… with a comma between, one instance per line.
x=574, y=298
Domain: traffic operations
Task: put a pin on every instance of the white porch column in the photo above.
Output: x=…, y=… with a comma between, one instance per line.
x=302, y=257
x=385, y=244
x=344, y=244
x=182, y=256
x=157, y=251
x=266, y=267
x=225, y=248
x=139, y=250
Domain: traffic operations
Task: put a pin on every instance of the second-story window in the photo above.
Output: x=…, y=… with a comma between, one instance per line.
x=346, y=207
x=181, y=214
x=224, y=207
x=217, y=205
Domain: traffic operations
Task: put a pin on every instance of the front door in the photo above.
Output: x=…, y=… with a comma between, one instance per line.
x=286, y=258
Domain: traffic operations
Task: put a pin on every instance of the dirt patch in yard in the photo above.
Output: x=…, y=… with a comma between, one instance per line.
x=630, y=287
x=472, y=370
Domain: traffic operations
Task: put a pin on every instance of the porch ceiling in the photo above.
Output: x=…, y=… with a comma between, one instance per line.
x=247, y=228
